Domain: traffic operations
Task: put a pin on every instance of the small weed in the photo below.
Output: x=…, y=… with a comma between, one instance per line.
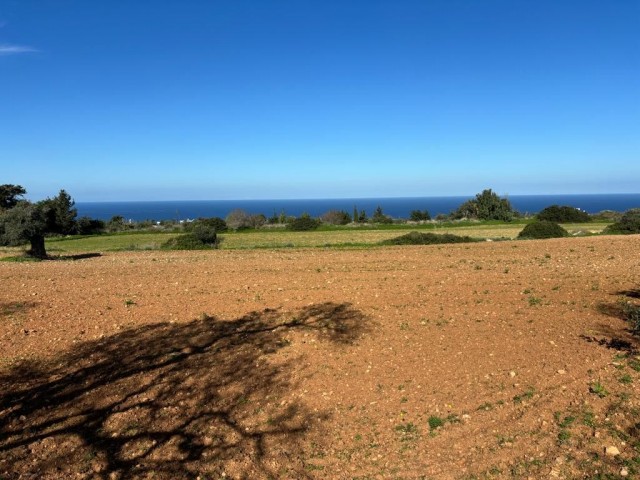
x=626, y=379
x=128, y=302
x=524, y=396
x=564, y=422
x=598, y=389
x=435, y=422
x=534, y=301
x=589, y=419
x=564, y=436
x=408, y=431
x=486, y=406
x=526, y=291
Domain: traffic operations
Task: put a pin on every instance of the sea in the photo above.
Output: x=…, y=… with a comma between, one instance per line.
x=395, y=207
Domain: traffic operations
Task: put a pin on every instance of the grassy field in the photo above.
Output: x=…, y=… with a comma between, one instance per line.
x=285, y=239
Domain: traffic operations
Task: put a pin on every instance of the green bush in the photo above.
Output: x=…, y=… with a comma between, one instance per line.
x=419, y=216
x=190, y=241
x=543, y=229
x=418, y=238
x=216, y=223
x=563, y=214
x=628, y=224
x=303, y=223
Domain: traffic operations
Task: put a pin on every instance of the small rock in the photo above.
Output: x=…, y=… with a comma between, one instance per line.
x=612, y=451
x=561, y=372
x=512, y=374
x=624, y=472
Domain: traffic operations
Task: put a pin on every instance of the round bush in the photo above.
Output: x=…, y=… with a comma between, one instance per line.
x=419, y=238
x=304, y=223
x=563, y=214
x=188, y=242
x=543, y=229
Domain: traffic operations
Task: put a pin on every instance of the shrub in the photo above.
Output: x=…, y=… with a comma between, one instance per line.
x=189, y=241
x=543, y=229
x=205, y=234
x=628, y=224
x=418, y=238
x=90, y=226
x=303, y=223
x=563, y=214
x=419, y=216
x=336, y=217
x=217, y=223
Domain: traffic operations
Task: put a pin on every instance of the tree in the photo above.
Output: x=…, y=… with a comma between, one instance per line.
x=336, y=217
x=25, y=222
x=486, y=206
x=61, y=214
x=380, y=217
x=237, y=219
x=419, y=216
x=10, y=196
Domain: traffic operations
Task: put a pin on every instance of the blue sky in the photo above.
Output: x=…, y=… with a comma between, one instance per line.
x=208, y=99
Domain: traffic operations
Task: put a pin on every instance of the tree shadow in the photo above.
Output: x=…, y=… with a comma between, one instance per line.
x=208, y=397
x=623, y=339
x=79, y=256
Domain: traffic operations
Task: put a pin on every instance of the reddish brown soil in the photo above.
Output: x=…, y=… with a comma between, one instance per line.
x=323, y=363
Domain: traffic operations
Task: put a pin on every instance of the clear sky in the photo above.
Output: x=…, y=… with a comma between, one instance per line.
x=239, y=99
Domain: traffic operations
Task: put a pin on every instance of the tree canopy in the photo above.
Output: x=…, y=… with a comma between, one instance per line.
x=10, y=195
x=486, y=206
x=22, y=221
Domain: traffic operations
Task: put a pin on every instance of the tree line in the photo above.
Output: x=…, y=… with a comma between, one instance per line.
x=23, y=221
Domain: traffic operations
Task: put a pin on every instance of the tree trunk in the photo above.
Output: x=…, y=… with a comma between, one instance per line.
x=37, y=247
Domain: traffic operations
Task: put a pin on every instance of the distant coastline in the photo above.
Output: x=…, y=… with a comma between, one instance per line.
x=395, y=207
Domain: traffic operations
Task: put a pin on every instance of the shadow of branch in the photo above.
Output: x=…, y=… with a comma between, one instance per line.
x=177, y=400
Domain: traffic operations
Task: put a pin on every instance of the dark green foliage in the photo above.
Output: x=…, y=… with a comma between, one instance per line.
x=380, y=217
x=628, y=224
x=486, y=206
x=543, y=229
x=303, y=223
x=10, y=196
x=563, y=214
x=25, y=222
x=336, y=217
x=90, y=226
x=189, y=241
x=362, y=217
x=419, y=238
x=217, y=223
x=205, y=234
x=419, y=216
x=61, y=214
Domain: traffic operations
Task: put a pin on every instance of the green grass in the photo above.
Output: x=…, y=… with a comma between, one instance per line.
x=327, y=236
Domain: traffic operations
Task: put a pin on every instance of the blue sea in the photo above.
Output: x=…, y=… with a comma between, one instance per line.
x=395, y=207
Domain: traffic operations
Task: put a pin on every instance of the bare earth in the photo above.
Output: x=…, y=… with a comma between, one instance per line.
x=492, y=360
